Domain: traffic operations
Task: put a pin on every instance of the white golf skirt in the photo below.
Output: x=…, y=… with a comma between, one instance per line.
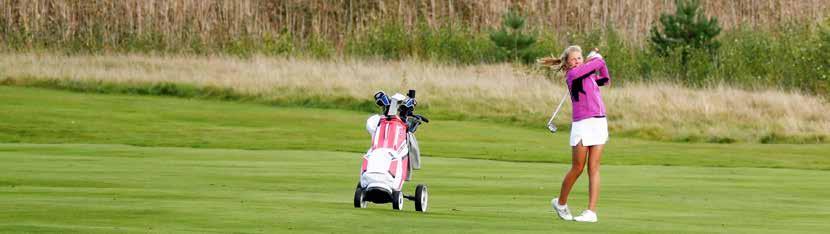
x=591, y=131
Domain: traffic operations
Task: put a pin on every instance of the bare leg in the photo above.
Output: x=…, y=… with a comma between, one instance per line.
x=594, y=155
x=577, y=164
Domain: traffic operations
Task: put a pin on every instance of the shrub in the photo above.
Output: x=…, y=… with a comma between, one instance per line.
x=511, y=37
x=686, y=30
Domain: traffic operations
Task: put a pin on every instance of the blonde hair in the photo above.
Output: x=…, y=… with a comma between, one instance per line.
x=559, y=63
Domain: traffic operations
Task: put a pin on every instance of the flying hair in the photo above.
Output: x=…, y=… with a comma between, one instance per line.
x=558, y=63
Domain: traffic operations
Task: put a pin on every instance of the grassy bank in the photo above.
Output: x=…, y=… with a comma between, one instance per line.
x=497, y=93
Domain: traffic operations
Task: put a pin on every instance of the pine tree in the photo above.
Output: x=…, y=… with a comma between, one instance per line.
x=511, y=36
x=688, y=28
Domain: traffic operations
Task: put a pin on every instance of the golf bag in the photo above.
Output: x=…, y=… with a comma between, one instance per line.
x=393, y=154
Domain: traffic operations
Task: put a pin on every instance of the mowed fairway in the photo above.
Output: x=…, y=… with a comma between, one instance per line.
x=107, y=188
x=114, y=163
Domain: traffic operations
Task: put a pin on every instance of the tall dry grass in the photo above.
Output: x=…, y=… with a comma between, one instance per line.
x=182, y=21
x=491, y=92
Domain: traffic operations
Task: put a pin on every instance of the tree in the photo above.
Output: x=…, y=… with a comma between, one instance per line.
x=510, y=37
x=688, y=28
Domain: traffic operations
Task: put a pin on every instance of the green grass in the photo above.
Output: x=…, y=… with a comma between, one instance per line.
x=46, y=116
x=94, y=163
x=116, y=188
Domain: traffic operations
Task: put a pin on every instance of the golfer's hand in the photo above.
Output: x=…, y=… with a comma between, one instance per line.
x=594, y=54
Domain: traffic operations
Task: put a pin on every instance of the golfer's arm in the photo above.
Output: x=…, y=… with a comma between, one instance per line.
x=604, y=78
x=587, y=68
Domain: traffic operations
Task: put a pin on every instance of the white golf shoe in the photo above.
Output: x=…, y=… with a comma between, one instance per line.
x=562, y=210
x=587, y=216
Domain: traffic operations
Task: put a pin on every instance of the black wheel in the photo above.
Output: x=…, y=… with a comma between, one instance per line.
x=359, y=195
x=397, y=200
x=421, y=198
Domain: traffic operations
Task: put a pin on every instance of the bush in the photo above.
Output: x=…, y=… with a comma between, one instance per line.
x=821, y=83
x=511, y=38
x=448, y=43
x=685, y=31
x=454, y=44
x=388, y=41
x=278, y=45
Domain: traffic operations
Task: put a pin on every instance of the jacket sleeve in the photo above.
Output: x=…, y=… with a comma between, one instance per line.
x=589, y=67
x=603, y=78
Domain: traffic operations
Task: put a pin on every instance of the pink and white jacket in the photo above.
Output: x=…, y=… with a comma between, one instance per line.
x=583, y=83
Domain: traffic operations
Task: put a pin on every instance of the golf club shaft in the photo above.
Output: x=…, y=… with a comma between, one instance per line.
x=557, y=108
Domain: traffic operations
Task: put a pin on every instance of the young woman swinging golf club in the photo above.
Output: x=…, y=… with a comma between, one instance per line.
x=589, y=131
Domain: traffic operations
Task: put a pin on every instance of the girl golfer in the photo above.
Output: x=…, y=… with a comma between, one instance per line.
x=589, y=131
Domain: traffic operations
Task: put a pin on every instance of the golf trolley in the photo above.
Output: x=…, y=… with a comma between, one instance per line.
x=393, y=155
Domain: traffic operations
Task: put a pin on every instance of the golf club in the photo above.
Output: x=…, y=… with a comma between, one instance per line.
x=551, y=126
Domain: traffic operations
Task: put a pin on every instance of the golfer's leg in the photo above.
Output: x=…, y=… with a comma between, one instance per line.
x=577, y=164
x=594, y=156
